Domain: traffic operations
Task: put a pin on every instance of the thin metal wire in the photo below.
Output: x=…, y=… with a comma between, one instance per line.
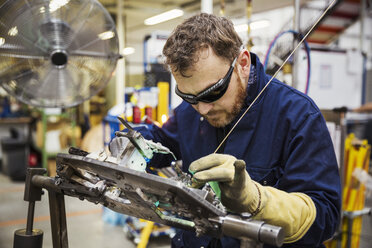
x=276, y=73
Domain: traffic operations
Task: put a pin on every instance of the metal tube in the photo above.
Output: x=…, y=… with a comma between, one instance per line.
x=341, y=168
x=249, y=10
x=252, y=229
x=45, y=182
x=207, y=6
x=58, y=219
x=239, y=228
x=296, y=60
x=120, y=67
x=222, y=9
x=271, y=235
x=349, y=229
x=362, y=24
x=30, y=217
x=296, y=17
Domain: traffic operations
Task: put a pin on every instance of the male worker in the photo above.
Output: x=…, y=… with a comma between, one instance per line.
x=278, y=164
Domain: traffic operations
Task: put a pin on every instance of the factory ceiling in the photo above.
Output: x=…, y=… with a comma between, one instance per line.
x=136, y=11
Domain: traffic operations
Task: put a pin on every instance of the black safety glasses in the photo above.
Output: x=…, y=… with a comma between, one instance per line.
x=212, y=93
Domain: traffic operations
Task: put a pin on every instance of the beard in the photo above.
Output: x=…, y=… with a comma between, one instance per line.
x=221, y=118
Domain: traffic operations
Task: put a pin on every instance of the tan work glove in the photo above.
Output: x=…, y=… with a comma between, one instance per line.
x=294, y=212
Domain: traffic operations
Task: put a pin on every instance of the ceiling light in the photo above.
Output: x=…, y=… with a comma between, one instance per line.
x=13, y=31
x=56, y=4
x=241, y=28
x=128, y=51
x=254, y=26
x=2, y=41
x=106, y=35
x=260, y=24
x=163, y=17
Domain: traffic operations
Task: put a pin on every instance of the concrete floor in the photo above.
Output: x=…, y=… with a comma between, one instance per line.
x=85, y=224
x=84, y=221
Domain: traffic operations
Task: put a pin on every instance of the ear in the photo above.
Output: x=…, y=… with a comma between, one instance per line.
x=244, y=61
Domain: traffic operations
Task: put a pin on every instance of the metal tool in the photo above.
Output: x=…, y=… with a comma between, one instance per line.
x=132, y=150
x=110, y=181
x=147, y=196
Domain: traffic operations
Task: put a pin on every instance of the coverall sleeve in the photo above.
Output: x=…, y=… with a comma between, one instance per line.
x=311, y=168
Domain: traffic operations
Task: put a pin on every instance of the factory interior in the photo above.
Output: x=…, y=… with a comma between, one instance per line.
x=89, y=104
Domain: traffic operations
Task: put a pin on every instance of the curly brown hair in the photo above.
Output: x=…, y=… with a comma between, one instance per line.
x=197, y=32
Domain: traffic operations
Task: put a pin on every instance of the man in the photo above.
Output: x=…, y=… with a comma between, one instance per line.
x=278, y=163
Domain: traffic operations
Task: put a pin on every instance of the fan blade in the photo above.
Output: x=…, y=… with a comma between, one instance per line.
x=56, y=53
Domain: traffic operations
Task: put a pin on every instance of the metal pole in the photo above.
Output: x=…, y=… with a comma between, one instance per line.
x=296, y=27
x=362, y=24
x=44, y=152
x=249, y=19
x=30, y=237
x=58, y=219
x=341, y=171
x=120, y=68
x=349, y=229
x=207, y=6
x=222, y=9
x=30, y=218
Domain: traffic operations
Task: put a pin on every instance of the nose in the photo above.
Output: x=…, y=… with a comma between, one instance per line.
x=203, y=108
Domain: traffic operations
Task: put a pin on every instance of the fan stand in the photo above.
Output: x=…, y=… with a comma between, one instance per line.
x=29, y=237
x=33, y=238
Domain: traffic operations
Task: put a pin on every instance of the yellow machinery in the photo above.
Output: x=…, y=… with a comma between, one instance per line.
x=357, y=157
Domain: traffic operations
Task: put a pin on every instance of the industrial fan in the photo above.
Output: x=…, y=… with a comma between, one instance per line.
x=56, y=53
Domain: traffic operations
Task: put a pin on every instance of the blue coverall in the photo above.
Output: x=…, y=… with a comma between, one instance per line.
x=284, y=141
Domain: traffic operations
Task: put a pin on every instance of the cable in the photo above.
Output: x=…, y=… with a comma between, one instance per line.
x=300, y=36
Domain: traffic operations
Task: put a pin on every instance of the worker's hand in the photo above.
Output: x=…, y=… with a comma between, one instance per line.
x=238, y=192
x=294, y=212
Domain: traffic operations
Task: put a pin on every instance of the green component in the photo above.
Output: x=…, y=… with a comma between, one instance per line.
x=162, y=205
x=174, y=219
x=165, y=205
x=143, y=148
x=216, y=188
x=214, y=185
x=170, y=218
